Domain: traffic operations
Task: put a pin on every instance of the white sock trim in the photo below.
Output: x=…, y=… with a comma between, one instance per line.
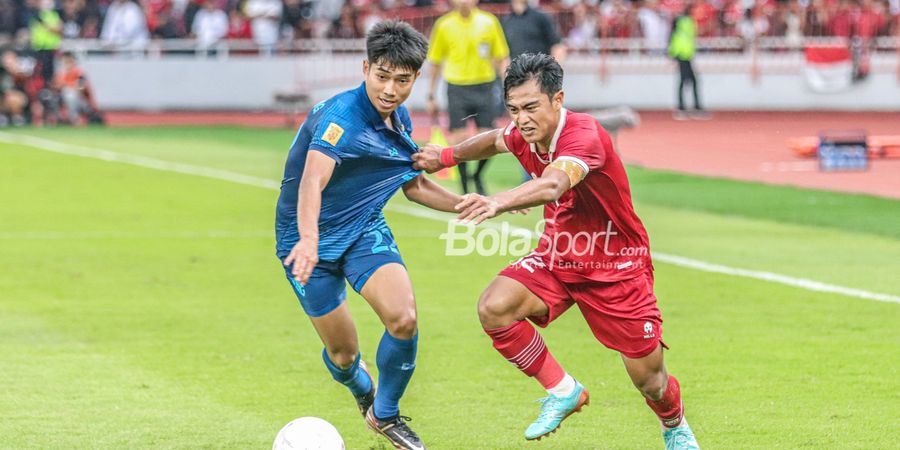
x=564, y=388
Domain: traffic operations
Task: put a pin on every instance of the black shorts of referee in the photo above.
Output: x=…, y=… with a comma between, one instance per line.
x=472, y=101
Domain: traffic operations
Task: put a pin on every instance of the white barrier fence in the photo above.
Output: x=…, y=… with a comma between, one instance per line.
x=766, y=74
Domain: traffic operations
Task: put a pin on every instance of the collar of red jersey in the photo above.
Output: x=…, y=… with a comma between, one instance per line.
x=559, y=128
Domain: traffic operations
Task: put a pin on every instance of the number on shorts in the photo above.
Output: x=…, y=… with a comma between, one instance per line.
x=380, y=234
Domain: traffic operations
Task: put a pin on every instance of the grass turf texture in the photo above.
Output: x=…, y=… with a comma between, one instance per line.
x=146, y=309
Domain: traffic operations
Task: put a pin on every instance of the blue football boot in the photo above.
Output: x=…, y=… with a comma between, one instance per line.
x=555, y=409
x=680, y=438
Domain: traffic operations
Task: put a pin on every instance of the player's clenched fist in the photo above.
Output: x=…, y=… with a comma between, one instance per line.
x=304, y=256
x=428, y=158
x=477, y=208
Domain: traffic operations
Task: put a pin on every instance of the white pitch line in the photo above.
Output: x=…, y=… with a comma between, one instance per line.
x=681, y=261
x=65, y=235
x=212, y=234
x=141, y=161
x=234, y=177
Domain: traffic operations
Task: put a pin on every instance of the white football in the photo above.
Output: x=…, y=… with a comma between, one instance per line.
x=308, y=433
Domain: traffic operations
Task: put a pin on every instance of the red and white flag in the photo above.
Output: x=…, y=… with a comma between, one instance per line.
x=828, y=69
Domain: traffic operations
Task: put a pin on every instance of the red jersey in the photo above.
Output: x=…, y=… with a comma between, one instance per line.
x=592, y=232
x=841, y=24
x=868, y=23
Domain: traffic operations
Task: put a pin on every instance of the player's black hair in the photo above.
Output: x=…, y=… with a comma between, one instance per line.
x=531, y=66
x=396, y=44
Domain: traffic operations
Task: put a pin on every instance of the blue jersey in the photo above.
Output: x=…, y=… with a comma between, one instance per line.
x=373, y=161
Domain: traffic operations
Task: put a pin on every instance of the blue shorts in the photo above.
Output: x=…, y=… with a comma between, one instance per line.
x=325, y=289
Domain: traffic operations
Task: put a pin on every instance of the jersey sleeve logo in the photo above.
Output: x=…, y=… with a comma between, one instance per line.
x=333, y=133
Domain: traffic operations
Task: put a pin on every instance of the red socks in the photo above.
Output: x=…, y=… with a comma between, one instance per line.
x=669, y=407
x=523, y=346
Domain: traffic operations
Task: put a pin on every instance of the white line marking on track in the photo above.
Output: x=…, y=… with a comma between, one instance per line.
x=234, y=177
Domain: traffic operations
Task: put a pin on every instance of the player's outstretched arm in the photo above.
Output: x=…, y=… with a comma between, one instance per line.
x=428, y=193
x=432, y=157
x=305, y=254
x=557, y=178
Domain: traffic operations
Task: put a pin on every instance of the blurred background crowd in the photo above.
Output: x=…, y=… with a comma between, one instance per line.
x=33, y=32
x=267, y=22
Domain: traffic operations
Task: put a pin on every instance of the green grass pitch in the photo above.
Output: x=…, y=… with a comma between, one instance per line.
x=145, y=309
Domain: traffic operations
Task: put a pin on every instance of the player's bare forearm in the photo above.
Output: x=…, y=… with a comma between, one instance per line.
x=309, y=204
x=536, y=192
x=428, y=193
x=481, y=146
x=316, y=174
x=305, y=254
x=540, y=191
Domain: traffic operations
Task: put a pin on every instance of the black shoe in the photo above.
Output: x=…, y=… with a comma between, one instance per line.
x=363, y=402
x=395, y=430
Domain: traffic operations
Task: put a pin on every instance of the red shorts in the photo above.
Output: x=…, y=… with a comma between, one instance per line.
x=622, y=314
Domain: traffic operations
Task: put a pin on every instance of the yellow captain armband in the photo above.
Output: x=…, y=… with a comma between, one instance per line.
x=575, y=168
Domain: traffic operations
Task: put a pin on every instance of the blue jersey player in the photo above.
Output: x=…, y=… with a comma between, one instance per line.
x=349, y=157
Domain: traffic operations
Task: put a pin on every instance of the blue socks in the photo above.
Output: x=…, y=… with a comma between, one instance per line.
x=356, y=380
x=396, y=361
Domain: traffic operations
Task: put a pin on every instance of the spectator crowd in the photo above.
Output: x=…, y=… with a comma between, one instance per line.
x=268, y=22
x=747, y=19
x=32, y=31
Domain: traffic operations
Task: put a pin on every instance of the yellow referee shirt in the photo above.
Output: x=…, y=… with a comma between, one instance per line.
x=468, y=46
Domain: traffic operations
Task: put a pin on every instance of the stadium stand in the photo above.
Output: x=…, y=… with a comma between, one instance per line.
x=580, y=21
x=598, y=30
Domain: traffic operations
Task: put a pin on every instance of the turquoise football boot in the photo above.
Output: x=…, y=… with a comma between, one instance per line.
x=680, y=438
x=555, y=409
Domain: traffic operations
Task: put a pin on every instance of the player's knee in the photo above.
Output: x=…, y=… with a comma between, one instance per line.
x=342, y=358
x=494, y=309
x=403, y=326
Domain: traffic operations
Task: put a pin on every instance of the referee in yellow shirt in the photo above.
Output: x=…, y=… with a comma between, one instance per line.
x=469, y=49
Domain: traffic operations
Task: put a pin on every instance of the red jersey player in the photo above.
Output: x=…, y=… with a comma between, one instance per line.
x=593, y=252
